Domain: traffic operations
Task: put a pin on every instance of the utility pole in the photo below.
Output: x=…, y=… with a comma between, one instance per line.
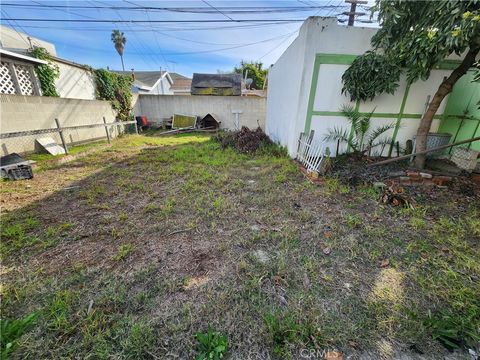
x=353, y=10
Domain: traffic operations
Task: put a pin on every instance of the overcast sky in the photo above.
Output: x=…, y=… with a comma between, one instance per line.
x=181, y=47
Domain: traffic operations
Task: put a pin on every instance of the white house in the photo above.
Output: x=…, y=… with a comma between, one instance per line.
x=158, y=82
x=305, y=87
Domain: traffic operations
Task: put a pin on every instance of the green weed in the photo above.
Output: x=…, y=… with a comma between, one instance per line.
x=211, y=345
x=11, y=331
x=123, y=252
x=352, y=221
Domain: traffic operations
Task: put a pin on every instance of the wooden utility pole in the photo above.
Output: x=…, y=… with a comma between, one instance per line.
x=353, y=10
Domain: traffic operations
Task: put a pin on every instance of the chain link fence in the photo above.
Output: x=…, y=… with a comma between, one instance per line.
x=65, y=136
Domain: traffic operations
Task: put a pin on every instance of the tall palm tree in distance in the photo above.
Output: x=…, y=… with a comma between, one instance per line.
x=119, y=40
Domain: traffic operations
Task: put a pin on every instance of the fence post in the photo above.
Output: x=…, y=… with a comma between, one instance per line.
x=136, y=127
x=118, y=127
x=106, y=129
x=60, y=131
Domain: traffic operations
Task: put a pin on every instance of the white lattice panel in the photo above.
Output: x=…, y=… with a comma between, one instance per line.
x=6, y=82
x=24, y=79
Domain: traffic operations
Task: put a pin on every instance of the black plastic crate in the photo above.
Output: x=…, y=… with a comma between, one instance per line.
x=14, y=167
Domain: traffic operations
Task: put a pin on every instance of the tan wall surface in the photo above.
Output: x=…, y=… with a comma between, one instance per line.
x=159, y=107
x=75, y=82
x=22, y=113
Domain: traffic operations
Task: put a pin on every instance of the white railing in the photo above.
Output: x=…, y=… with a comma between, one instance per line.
x=310, y=153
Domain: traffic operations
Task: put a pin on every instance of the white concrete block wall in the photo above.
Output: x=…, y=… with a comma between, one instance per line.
x=22, y=113
x=159, y=107
x=75, y=82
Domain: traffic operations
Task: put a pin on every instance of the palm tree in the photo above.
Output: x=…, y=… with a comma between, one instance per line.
x=360, y=138
x=119, y=40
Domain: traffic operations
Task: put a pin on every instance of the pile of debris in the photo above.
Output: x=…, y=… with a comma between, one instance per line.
x=354, y=170
x=245, y=141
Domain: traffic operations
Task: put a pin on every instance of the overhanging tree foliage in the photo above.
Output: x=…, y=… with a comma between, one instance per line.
x=414, y=37
x=254, y=71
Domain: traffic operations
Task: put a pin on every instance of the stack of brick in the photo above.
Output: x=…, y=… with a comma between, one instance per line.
x=424, y=178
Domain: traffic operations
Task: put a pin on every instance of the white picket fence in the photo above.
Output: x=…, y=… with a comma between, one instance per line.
x=310, y=153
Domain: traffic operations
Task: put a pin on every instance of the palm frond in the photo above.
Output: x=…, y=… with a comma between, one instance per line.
x=342, y=135
x=365, y=121
x=379, y=131
x=352, y=115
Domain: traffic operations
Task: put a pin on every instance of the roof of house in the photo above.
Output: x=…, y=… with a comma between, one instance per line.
x=16, y=55
x=216, y=84
x=148, y=79
x=181, y=84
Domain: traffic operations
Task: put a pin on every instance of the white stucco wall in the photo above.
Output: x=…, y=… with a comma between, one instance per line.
x=290, y=80
x=11, y=39
x=75, y=82
x=160, y=107
x=22, y=113
x=285, y=90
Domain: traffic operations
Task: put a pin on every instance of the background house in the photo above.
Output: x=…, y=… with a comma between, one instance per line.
x=305, y=89
x=181, y=84
x=158, y=82
x=150, y=82
x=75, y=81
x=217, y=84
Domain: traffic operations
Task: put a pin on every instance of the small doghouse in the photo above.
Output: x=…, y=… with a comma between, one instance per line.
x=208, y=121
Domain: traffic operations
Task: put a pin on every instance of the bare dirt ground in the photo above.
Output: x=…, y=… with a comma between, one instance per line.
x=129, y=251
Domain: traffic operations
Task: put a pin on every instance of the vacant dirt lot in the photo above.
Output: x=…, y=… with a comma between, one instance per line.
x=130, y=250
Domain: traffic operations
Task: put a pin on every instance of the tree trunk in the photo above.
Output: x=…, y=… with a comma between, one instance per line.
x=444, y=89
x=123, y=66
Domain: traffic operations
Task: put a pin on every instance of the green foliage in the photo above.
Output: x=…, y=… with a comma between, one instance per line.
x=11, y=331
x=286, y=328
x=117, y=89
x=362, y=139
x=211, y=345
x=255, y=72
x=119, y=40
x=46, y=73
x=415, y=36
x=453, y=330
x=383, y=74
x=123, y=252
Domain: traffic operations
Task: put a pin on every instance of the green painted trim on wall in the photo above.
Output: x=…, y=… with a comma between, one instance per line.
x=338, y=59
x=375, y=115
x=448, y=64
x=311, y=96
x=399, y=119
x=347, y=59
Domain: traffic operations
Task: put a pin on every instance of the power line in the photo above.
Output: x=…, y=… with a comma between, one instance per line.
x=274, y=48
x=224, y=14
x=151, y=21
x=193, y=52
x=174, y=29
x=197, y=10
